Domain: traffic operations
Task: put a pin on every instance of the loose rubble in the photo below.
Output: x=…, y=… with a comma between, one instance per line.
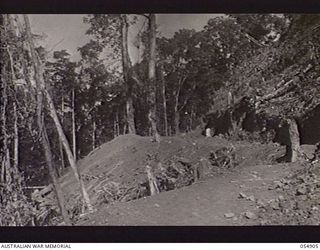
x=298, y=199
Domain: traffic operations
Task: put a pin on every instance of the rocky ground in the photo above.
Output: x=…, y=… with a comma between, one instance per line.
x=298, y=198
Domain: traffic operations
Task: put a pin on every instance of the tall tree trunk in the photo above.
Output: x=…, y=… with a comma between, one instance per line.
x=6, y=161
x=93, y=136
x=60, y=143
x=74, y=138
x=191, y=119
x=152, y=77
x=6, y=153
x=176, y=120
x=114, y=128
x=164, y=101
x=48, y=155
x=15, y=114
x=176, y=110
x=140, y=49
x=130, y=115
x=125, y=126
x=230, y=98
x=66, y=145
x=169, y=131
x=117, y=124
x=16, y=138
x=61, y=158
x=7, y=167
x=38, y=70
x=127, y=69
x=176, y=104
x=3, y=104
x=294, y=140
x=45, y=140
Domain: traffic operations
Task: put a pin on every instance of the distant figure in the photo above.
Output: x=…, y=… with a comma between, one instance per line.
x=208, y=132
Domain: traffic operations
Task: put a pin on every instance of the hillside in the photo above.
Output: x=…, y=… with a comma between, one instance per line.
x=116, y=171
x=254, y=191
x=225, y=200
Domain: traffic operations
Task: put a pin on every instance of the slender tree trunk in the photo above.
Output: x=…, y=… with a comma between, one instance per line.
x=15, y=114
x=169, y=132
x=6, y=154
x=140, y=50
x=16, y=138
x=130, y=115
x=53, y=113
x=176, y=120
x=191, y=119
x=8, y=178
x=117, y=124
x=114, y=128
x=3, y=167
x=125, y=126
x=94, y=128
x=48, y=155
x=176, y=105
x=152, y=77
x=230, y=98
x=177, y=111
x=74, y=138
x=45, y=143
x=124, y=119
x=127, y=68
x=60, y=143
x=61, y=158
x=164, y=101
x=3, y=104
x=66, y=145
x=6, y=163
x=294, y=140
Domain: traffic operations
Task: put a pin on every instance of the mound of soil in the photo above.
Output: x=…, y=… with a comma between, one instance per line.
x=122, y=162
x=230, y=199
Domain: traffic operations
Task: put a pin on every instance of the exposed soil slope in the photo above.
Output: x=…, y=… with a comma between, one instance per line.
x=230, y=199
x=122, y=162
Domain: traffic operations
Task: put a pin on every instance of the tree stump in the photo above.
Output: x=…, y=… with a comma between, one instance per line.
x=152, y=181
x=294, y=144
x=202, y=169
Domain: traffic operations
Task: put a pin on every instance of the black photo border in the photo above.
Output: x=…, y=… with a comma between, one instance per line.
x=160, y=234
